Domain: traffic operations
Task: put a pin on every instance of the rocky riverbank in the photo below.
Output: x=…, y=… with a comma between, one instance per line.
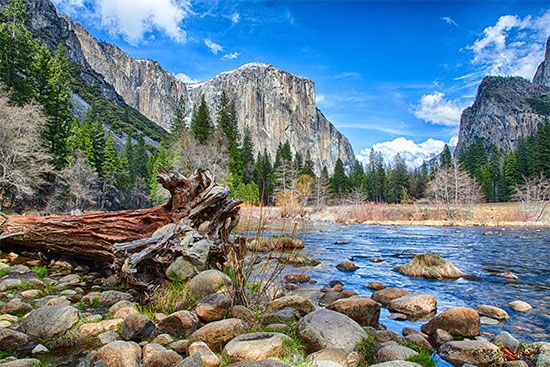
x=57, y=313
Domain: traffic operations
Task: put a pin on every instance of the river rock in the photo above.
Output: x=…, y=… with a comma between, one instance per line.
x=15, y=307
x=492, y=312
x=330, y=297
x=430, y=266
x=49, y=321
x=208, y=358
x=330, y=357
x=299, y=303
x=520, y=306
x=25, y=362
x=11, y=339
x=476, y=352
x=420, y=340
x=242, y=313
x=180, y=323
x=386, y=295
x=162, y=358
x=347, y=266
x=213, y=307
x=440, y=337
x=218, y=333
x=392, y=351
x=508, y=275
x=93, y=329
x=383, y=336
x=109, y=298
x=364, y=311
x=325, y=329
x=458, y=321
x=8, y=284
x=505, y=338
x=137, y=326
x=297, y=278
x=375, y=286
x=181, y=269
x=414, y=305
x=286, y=315
x=208, y=282
x=255, y=346
x=119, y=354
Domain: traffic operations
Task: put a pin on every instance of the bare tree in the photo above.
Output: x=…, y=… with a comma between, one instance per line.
x=75, y=187
x=357, y=196
x=534, y=194
x=453, y=185
x=24, y=162
x=190, y=155
x=321, y=191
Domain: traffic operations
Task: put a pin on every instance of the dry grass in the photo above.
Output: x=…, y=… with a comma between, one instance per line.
x=170, y=297
x=430, y=266
x=275, y=243
x=486, y=214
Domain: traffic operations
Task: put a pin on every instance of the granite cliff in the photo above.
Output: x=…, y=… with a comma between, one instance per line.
x=275, y=105
x=506, y=109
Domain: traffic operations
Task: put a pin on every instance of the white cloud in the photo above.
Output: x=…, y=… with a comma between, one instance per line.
x=512, y=46
x=132, y=19
x=449, y=20
x=230, y=56
x=213, y=46
x=185, y=78
x=235, y=17
x=413, y=154
x=434, y=108
x=348, y=75
x=319, y=98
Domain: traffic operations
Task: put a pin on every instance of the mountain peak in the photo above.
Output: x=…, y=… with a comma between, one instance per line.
x=542, y=76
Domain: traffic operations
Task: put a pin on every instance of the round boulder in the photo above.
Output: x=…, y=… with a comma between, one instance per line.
x=180, y=323
x=299, y=303
x=119, y=354
x=492, y=312
x=476, y=352
x=137, y=326
x=208, y=282
x=386, y=295
x=520, y=306
x=414, y=305
x=218, y=333
x=391, y=351
x=325, y=329
x=297, y=278
x=347, y=266
x=364, y=311
x=255, y=346
x=11, y=339
x=458, y=321
x=375, y=286
x=213, y=307
x=49, y=321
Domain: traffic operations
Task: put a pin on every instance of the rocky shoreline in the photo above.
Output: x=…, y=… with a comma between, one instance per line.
x=58, y=313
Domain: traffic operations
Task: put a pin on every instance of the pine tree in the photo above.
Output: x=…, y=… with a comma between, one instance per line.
x=16, y=52
x=309, y=165
x=264, y=176
x=340, y=184
x=178, y=126
x=57, y=105
x=201, y=124
x=247, y=156
x=80, y=140
x=227, y=119
x=446, y=160
x=235, y=165
x=542, y=149
x=97, y=132
x=358, y=177
x=298, y=162
x=399, y=180
x=111, y=163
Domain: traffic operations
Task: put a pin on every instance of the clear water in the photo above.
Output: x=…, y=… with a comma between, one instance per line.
x=522, y=251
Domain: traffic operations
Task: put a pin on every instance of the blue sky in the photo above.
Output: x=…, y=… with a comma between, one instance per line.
x=390, y=75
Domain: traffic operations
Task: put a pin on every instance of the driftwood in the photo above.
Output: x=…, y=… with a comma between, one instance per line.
x=125, y=238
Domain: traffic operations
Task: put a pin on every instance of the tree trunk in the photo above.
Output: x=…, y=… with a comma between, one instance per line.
x=114, y=237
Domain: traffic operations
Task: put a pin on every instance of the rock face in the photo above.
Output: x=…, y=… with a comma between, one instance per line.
x=542, y=76
x=275, y=105
x=505, y=109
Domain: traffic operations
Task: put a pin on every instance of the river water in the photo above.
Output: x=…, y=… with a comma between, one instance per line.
x=476, y=251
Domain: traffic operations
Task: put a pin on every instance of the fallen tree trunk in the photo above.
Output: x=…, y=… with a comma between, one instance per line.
x=113, y=237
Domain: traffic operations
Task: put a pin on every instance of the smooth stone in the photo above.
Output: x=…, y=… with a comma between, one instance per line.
x=119, y=354
x=11, y=339
x=363, y=310
x=299, y=303
x=181, y=269
x=488, y=321
x=393, y=352
x=93, y=329
x=180, y=323
x=520, y=306
x=324, y=329
x=492, y=312
x=213, y=307
x=39, y=349
x=375, y=286
x=396, y=364
x=386, y=295
x=25, y=362
x=137, y=326
x=347, y=266
x=218, y=333
x=208, y=282
x=414, y=305
x=208, y=358
x=109, y=298
x=49, y=321
x=255, y=346
x=479, y=353
x=505, y=338
x=459, y=321
x=297, y=278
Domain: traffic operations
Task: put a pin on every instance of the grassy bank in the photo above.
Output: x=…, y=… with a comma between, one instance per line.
x=487, y=214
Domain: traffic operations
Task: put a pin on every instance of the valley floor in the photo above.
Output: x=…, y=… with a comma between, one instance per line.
x=486, y=214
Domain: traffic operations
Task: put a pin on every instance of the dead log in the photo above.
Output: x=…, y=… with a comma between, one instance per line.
x=124, y=238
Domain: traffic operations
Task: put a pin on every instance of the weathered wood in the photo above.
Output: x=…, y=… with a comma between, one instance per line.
x=196, y=201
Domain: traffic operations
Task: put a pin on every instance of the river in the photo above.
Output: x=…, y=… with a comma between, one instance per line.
x=479, y=252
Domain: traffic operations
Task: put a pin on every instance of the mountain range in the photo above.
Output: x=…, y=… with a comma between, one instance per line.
x=275, y=105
